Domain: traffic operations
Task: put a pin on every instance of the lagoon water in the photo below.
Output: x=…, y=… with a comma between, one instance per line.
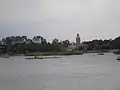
x=77, y=72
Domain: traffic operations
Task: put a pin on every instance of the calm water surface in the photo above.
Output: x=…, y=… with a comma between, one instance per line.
x=86, y=72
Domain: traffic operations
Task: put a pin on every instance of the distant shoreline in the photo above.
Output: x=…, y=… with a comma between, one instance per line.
x=53, y=53
x=58, y=53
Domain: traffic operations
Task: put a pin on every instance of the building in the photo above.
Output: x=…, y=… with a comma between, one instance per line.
x=71, y=47
x=77, y=45
x=29, y=41
x=78, y=41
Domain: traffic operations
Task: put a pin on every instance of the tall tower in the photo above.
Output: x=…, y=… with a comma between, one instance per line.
x=78, y=40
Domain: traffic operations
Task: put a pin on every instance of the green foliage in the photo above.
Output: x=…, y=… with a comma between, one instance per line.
x=66, y=43
x=116, y=43
x=21, y=44
x=55, y=41
x=98, y=44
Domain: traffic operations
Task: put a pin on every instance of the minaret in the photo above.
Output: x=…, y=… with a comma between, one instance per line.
x=78, y=40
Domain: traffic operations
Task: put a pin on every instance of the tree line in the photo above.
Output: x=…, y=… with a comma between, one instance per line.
x=103, y=44
x=23, y=44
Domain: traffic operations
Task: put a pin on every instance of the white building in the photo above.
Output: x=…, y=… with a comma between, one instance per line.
x=71, y=47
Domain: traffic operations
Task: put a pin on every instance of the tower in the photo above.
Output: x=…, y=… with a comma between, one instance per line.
x=78, y=40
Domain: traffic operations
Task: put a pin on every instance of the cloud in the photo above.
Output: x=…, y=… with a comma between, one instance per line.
x=60, y=18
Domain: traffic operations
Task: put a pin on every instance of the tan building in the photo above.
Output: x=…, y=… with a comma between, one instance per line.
x=78, y=41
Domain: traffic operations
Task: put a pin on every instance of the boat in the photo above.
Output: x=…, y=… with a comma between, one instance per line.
x=6, y=56
x=118, y=58
x=36, y=57
x=117, y=52
x=100, y=53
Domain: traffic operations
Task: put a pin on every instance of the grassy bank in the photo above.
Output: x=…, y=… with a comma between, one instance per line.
x=53, y=53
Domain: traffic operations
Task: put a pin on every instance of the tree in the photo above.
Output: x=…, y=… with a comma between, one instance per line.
x=55, y=41
x=8, y=41
x=43, y=41
x=24, y=38
x=116, y=43
x=66, y=43
x=0, y=42
x=37, y=39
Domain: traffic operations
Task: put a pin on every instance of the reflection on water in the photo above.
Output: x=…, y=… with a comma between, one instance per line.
x=77, y=72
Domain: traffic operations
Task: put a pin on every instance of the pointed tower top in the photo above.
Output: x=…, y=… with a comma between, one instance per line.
x=77, y=34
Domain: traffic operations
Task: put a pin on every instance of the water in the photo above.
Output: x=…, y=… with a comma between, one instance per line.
x=82, y=72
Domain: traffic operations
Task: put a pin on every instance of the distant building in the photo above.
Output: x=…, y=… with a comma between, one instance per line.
x=29, y=41
x=37, y=41
x=78, y=41
x=77, y=45
x=71, y=47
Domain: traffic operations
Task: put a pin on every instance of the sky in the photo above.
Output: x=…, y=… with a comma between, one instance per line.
x=63, y=19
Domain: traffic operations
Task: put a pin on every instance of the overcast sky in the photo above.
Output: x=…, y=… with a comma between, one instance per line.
x=60, y=18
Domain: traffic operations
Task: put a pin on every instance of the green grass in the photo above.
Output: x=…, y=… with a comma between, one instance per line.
x=52, y=53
